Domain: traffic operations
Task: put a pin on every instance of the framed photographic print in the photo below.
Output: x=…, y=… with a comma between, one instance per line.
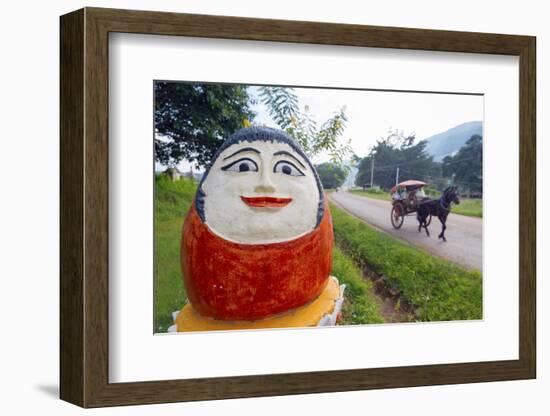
x=255, y=207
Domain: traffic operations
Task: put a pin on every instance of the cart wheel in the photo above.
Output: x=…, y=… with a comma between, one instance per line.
x=429, y=220
x=397, y=216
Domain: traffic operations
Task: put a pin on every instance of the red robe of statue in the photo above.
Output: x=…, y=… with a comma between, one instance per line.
x=232, y=281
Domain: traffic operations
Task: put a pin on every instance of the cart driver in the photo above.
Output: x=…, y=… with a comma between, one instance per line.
x=411, y=198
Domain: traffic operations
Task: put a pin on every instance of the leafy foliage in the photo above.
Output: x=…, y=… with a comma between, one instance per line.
x=283, y=107
x=332, y=176
x=438, y=289
x=192, y=120
x=466, y=166
x=396, y=151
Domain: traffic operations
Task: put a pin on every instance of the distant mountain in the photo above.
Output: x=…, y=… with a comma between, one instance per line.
x=448, y=142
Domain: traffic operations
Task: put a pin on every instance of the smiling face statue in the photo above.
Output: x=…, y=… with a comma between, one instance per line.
x=260, y=188
x=258, y=240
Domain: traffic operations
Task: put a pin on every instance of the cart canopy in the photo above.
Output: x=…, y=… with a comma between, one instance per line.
x=409, y=185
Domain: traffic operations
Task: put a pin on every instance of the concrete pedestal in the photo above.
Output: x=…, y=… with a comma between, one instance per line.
x=323, y=311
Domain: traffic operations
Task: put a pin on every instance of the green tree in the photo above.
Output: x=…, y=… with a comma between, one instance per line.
x=283, y=107
x=192, y=120
x=363, y=177
x=332, y=175
x=396, y=150
x=466, y=166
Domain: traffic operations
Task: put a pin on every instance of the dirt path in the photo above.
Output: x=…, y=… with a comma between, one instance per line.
x=464, y=234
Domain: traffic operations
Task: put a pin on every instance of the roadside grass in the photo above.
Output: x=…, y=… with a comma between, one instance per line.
x=469, y=207
x=438, y=289
x=172, y=201
x=360, y=305
x=373, y=193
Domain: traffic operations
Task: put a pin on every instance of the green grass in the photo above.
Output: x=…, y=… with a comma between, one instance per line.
x=373, y=193
x=172, y=201
x=360, y=305
x=468, y=207
x=438, y=289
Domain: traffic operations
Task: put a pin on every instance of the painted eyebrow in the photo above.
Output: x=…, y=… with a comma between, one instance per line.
x=284, y=152
x=244, y=149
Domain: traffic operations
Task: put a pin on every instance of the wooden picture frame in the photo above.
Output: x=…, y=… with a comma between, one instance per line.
x=84, y=207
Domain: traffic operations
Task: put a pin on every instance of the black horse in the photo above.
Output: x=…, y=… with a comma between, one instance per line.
x=437, y=207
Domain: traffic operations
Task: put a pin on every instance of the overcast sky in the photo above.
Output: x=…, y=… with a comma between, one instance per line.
x=372, y=113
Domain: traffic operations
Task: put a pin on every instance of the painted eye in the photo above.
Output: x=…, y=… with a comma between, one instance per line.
x=242, y=165
x=287, y=168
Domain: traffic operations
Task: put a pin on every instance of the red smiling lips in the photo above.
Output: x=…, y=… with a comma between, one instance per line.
x=266, y=201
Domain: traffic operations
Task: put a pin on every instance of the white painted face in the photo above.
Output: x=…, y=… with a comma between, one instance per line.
x=260, y=192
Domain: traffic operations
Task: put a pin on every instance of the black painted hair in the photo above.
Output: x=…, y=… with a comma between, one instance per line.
x=264, y=134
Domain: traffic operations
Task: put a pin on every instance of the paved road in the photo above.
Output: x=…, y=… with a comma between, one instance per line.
x=463, y=233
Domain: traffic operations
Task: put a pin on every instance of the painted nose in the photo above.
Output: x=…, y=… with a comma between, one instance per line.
x=265, y=185
x=264, y=189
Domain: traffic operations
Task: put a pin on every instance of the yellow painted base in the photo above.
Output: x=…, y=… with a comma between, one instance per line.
x=308, y=315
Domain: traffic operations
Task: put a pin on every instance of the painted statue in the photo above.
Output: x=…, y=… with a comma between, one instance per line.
x=258, y=238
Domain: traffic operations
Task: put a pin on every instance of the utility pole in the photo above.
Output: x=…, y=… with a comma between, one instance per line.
x=397, y=176
x=371, y=171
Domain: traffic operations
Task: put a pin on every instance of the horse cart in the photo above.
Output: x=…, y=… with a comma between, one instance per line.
x=406, y=198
